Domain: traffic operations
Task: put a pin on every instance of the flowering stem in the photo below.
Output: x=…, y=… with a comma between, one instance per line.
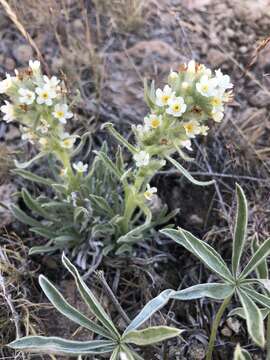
x=215, y=326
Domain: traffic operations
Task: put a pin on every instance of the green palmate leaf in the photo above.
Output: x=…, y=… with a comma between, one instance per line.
x=126, y=353
x=201, y=250
x=69, y=311
x=150, y=335
x=187, y=175
x=30, y=162
x=90, y=299
x=115, y=354
x=241, y=354
x=212, y=290
x=149, y=309
x=240, y=228
x=257, y=297
x=254, y=318
x=262, y=268
x=262, y=252
x=28, y=175
x=241, y=313
x=58, y=346
x=23, y=217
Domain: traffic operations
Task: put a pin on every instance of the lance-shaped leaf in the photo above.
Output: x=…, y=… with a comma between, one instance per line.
x=115, y=354
x=254, y=318
x=69, y=311
x=239, y=311
x=149, y=309
x=187, y=175
x=240, y=228
x=119, y=137
x=214, y=291
x=28, y=175
x=90, y=299
x=35, y=206
x=23, y=217
x=150, y=335
x=109, y=164
x=262, y=252
x=202, y=250
x=257, y=297
x=241, y=354
x=26, y=164
x=58, y=346
x=262, y=268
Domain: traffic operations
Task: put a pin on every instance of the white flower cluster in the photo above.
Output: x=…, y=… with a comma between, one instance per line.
x=38, y=103
x=179, y=110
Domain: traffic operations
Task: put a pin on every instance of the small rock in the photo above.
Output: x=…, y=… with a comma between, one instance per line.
x=234, y=324
x=6, y=192
x=23, y=53
x=260, y=99
x=57, y=64
x=195, y=219
x=225, y=331
x=216, y=57
x=12, y=133
x=230, y=32
x=243, y=49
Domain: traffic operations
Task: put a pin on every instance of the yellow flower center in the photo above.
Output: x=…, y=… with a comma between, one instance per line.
x=147, y=194
x=155, y=123
x=216, y=101
x=205, y=87
x=176, y=107
x=60, y=114
x=165, y=98
x=67, y=142
x=189, y=128
x=45, y=95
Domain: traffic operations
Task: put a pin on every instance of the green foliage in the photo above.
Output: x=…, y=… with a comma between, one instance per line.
x=241, y=354
x=112, y=341
x=233, y=281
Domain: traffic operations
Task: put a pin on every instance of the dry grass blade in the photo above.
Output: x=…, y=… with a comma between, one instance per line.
x=13, y=17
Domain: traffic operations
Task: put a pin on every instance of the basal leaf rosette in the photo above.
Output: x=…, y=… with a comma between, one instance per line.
x=179, y=112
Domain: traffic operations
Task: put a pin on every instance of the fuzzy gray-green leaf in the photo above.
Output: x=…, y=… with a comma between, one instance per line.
x=59, y=346
x=240, y=228
x=212, y=290
x=262, y=252
x=90, y=299
x=241, y=354
x=187, y=175
x=150, y=335
x=254, y=318
x=239, y=311
x=149, y=309
x=202, y=250
x=262, y=268
x=69, y=311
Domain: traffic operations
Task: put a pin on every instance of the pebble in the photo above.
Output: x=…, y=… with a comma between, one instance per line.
x=216, y=57
x=9, y=64
x=23, y=53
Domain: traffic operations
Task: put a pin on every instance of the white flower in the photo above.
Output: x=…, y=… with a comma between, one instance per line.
x=150, y=191
x=35, y=66
x=61, y=113
x=173, y=76
x=163, y=96
x=45, y=95
x=186, y=144
x=217, y=103
x=142, y=158
x=43, y=141
x=67, y=141
x=51, y=82
x=123, y=356
x=223, y=81
x=217, y=116
x=8, y=110
x=26, y=96
x=204, y=130
x=6, y=84
x=153, y=121
x=192, y=128
x=191, y=67
x=80, y=167
x=206, y=86
x=176, y=107
x=28, y=134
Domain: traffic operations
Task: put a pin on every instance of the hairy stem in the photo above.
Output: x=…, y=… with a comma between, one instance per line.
x=215, y=325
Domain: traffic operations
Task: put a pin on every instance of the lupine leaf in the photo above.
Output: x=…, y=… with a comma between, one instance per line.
x=202, y=250
x=240, y=228
x=127, y=352
x=239, y=311
x=257, y=297
x=115, y=354
x=262, y=268
x=211, y=290
x=150, y=335
x=261, y=254
x=90, y=299
x=254, y=318
x=69, y=311
x=149, y=309
x=187, y=175
x=59, y=346
x=241, y=354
